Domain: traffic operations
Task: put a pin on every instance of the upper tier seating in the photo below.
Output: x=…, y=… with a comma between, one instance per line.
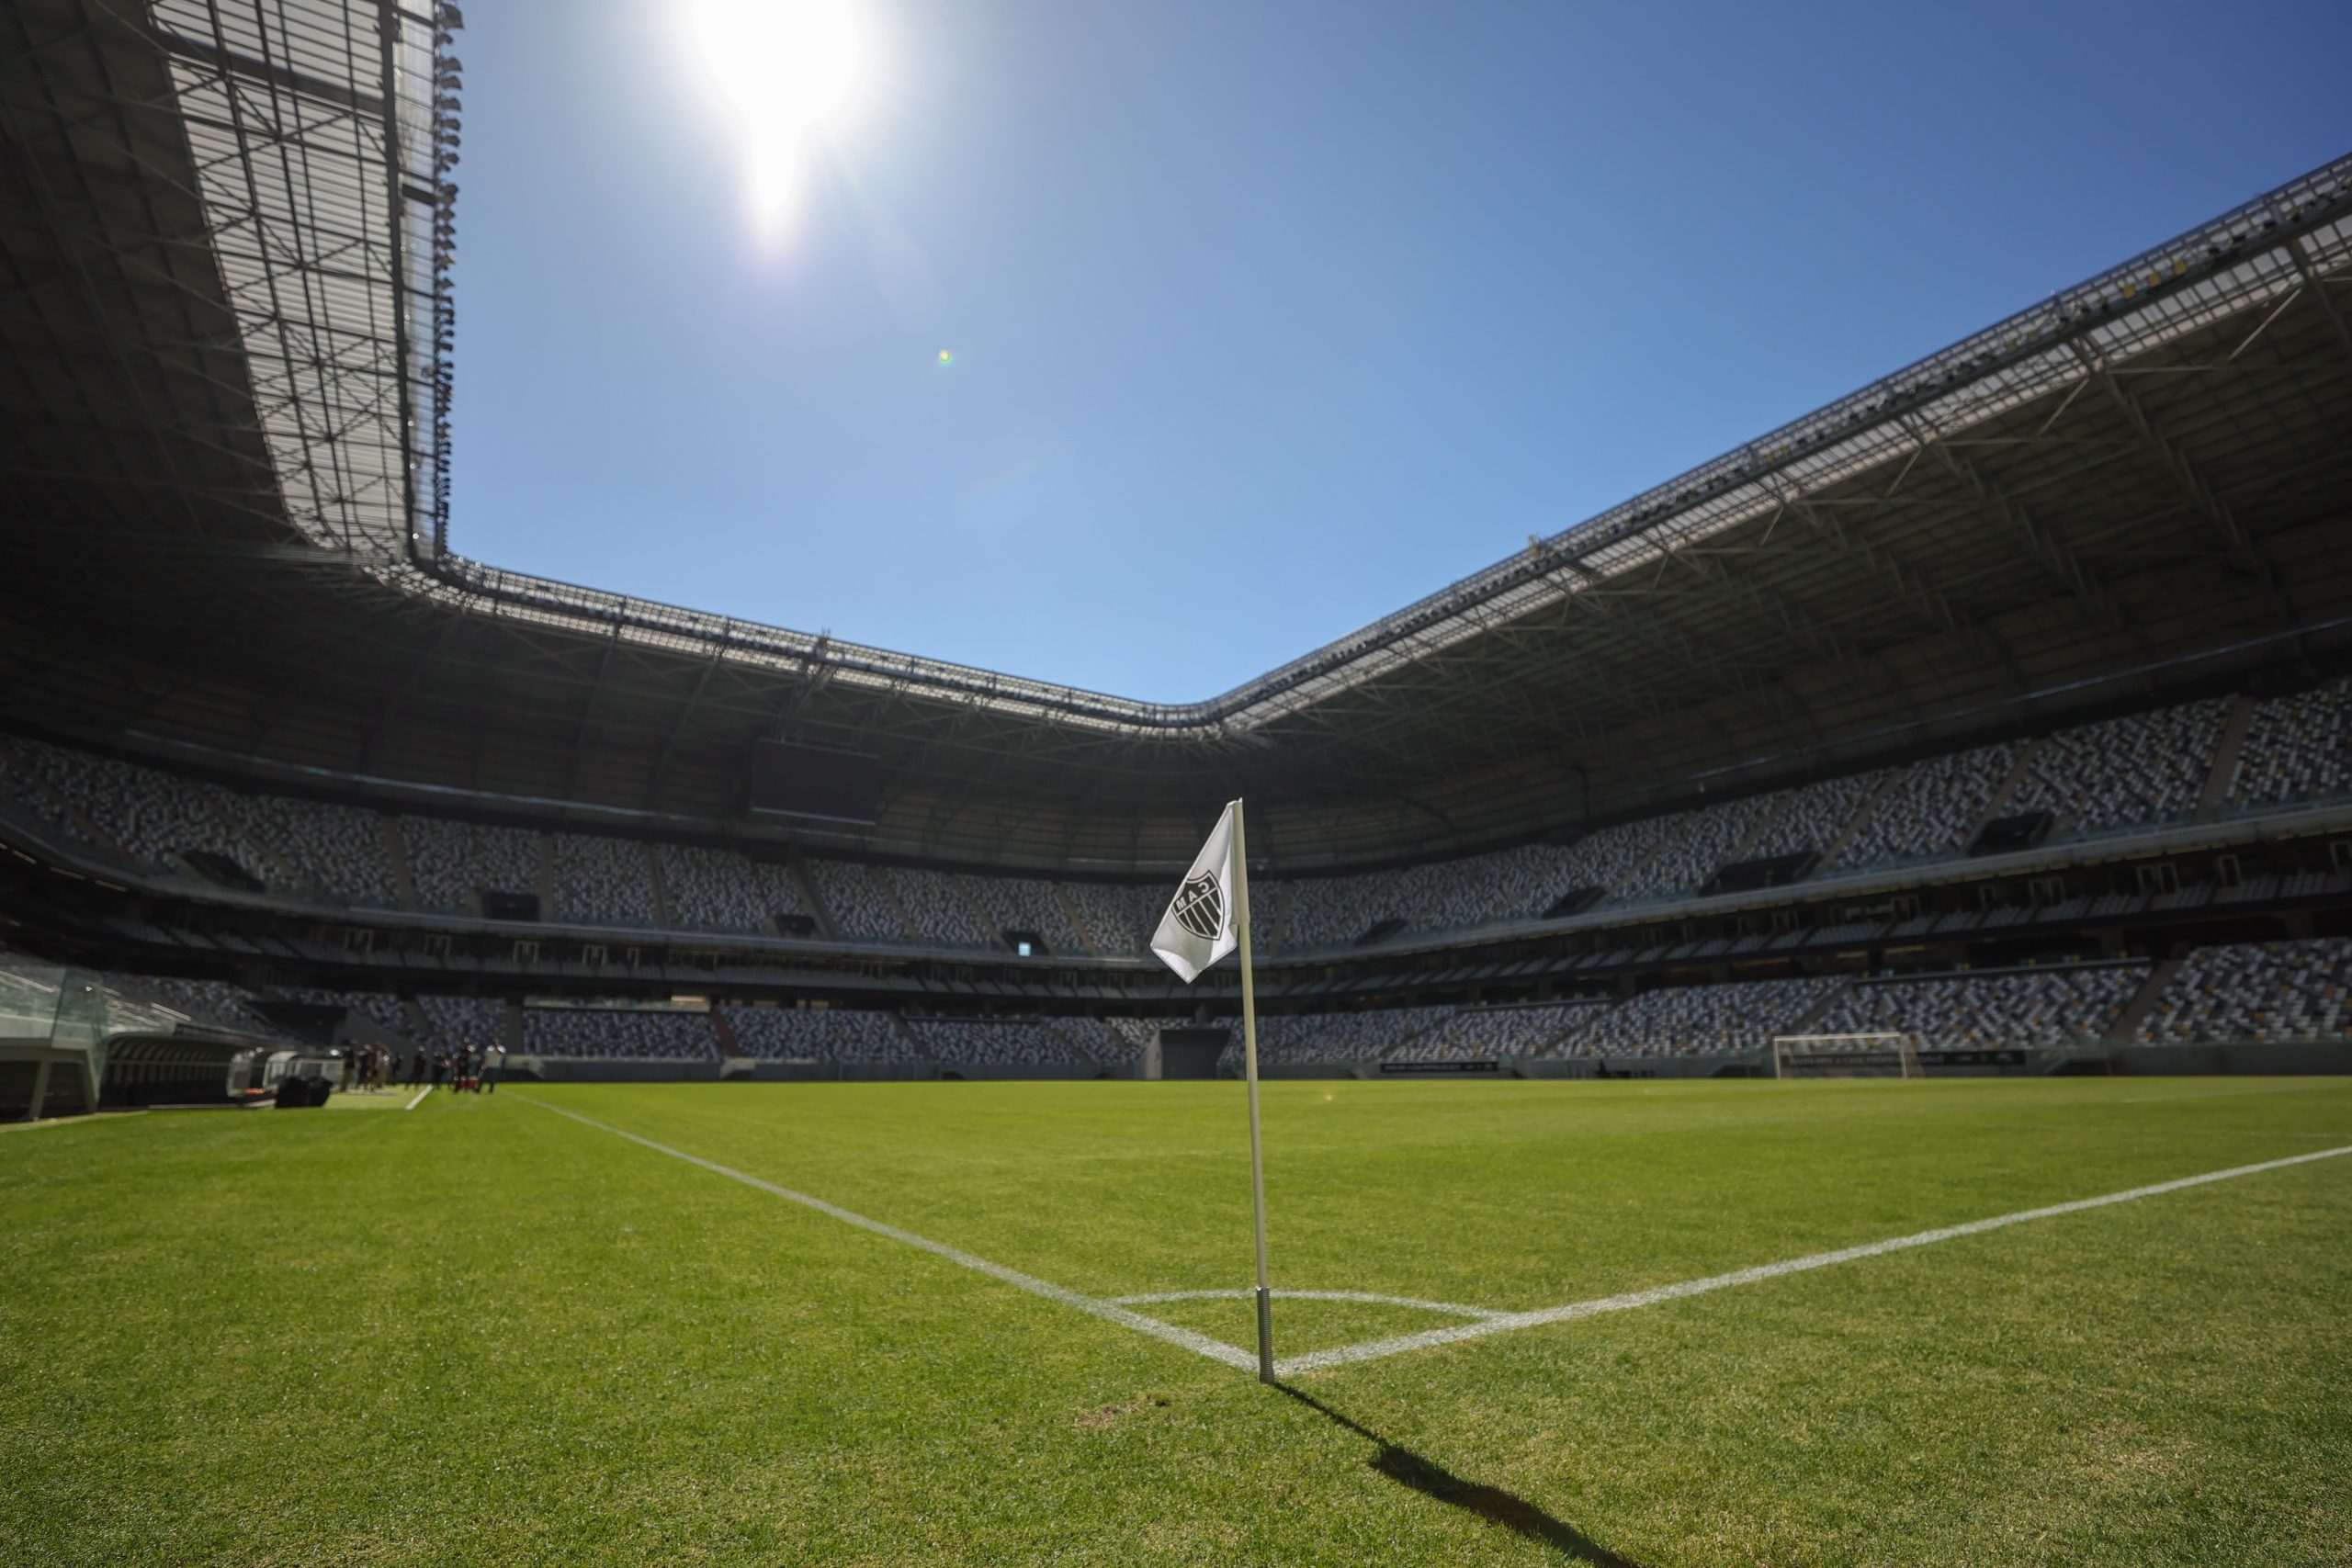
x=720, y=890
x=1931, y=807
x=2148, y=768
x=860, y=900
x=2265, y=991
x=2297, y=747
x=1810, y=819
x=601, y=880
x=451, y=860
x=145, y=813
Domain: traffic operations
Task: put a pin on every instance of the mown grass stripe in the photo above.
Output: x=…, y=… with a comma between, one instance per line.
x=1110, y=1312
x=1504, y=1323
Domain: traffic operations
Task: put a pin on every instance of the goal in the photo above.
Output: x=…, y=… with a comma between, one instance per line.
x=1867, y=1056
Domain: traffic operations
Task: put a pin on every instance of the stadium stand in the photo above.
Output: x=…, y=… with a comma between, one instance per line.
x=860, y=900
x=2034, y=1007
x=1475, y=1033
x=2143, y=770
x=451, y=860
x=618, y=1032
x=825, y=1034
x=1740, y=1015
x=1811, y=819
x=1014, y=1042
x=720, y=890
x=1930, y=807
x=335, y=850
x=1701, y=843
x=1339, y=1036
x=144, y=813
x=2267, y=991
x=2148, y=768
x=2297, y=747
x=604, y=880
x=464, y=1020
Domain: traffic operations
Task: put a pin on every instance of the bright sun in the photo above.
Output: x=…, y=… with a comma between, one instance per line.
x=787, y=72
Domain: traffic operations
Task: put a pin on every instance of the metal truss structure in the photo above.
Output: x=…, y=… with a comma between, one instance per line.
x=224, y=453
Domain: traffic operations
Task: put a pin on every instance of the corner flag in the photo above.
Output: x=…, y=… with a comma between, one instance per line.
x=1209, y=918
x=1200, y=925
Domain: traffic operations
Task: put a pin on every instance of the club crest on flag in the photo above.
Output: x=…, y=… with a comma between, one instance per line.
x=1200, y=906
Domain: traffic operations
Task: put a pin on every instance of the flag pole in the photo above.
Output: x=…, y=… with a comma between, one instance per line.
x=1249, y=1068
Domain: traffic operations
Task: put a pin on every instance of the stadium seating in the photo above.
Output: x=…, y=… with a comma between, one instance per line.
x=1475, y=1033
x=1932, y=806
x=601, y=880
x=720, y=890
x=2267, y=991
x=860, y=900
x=1740, y=1015
x=1077, y=1041
x=2036, y=1008
x=451, y=860
x=2297, y=747
x=826, y=1035
x=1337, y=1036
x=615, y=1032
x=144, y=813
x=464, y=1020
x=2148, y=768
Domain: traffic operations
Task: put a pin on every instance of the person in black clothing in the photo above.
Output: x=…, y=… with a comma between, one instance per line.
x=417, y=1068
x=440, y=1067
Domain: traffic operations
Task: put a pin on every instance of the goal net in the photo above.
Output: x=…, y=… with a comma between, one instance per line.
x=1867, y=1056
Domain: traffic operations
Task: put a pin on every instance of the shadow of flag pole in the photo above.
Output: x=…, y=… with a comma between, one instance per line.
x=1249, y=1069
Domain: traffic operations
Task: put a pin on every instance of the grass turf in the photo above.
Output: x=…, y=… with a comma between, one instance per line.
x=483, y=1333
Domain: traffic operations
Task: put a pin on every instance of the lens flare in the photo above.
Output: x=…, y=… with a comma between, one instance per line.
x=786, y=74
x=945, y=358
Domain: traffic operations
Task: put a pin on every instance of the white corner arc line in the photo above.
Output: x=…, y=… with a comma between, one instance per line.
x=1199, y=1344
x=1244, y=1293
x=1504, y=1322
x=417, y=1099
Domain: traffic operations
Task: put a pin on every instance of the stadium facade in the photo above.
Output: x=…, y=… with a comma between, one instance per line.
x=2019, y=672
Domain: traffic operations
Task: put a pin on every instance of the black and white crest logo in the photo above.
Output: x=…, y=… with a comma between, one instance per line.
x=1200, y=906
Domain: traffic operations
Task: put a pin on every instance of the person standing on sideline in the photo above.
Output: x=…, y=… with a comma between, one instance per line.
x=417, y=1068
x=440, y=1064
x=350, y=1065
x=494, y=1057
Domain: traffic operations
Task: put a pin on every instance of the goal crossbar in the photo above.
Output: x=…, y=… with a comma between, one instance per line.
x=1860, y=1054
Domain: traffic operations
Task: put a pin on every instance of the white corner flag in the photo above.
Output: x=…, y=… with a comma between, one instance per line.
x=1200, y=926
x=1209, y=918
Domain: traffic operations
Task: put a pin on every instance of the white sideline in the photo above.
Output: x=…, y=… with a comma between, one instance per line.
x=1199, y=1344
x=1504, y=1323
x=418, y=1098
x=1488, y=1322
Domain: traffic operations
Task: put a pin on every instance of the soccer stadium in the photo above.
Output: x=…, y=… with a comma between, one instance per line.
x=1805, y=1018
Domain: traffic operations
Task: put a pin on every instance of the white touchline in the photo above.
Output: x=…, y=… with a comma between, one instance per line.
x=1199, y=1344
x=1316, y=1359
x=1116, y=1311
x=418, y=1098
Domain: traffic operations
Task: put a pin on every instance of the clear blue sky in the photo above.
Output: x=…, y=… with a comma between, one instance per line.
x=1267, y=319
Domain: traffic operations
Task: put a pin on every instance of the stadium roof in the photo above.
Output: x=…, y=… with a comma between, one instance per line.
x=225, y=438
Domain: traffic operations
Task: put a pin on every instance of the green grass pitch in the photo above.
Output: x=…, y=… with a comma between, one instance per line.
x=484, y=1333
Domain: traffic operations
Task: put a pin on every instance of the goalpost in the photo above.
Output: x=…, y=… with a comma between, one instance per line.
x=1863, y=1055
